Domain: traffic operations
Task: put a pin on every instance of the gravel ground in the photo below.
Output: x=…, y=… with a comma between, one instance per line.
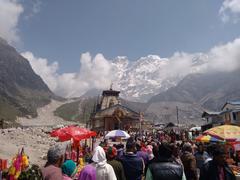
x=34, y=136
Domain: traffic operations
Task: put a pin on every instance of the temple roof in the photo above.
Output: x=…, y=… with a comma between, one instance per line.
x=110, y=93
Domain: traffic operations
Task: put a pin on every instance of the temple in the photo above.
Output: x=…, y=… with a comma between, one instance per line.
x=110, y=114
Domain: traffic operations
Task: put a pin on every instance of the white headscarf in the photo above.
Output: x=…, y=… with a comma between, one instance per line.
x=104, y=171
x=99, y=156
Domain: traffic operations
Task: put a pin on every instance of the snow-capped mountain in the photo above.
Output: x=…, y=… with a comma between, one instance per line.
x=141, y=79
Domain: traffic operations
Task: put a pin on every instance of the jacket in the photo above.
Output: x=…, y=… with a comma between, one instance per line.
x=133, y=166
x=210, y=171
x=165, y=169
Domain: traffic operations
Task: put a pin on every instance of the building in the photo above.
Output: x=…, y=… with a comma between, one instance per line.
x=229, y=114
x=110, y=114
x=212, y=118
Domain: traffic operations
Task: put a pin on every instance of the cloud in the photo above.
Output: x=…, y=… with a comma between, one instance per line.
x=98, y=72
x=48, y=72
x=10, y=11
x=94, y=73
x=225, y=57
x=230, y=10
x=32, y=9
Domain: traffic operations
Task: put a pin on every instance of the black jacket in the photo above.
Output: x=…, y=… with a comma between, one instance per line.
x=133, y=166
x=166, y=169
x=210, y=171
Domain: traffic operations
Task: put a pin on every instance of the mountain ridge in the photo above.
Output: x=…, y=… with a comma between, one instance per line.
x=21, y=89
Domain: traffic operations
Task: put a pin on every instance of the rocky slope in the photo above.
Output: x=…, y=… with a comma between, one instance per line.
x=209, y=90
x=21, y=90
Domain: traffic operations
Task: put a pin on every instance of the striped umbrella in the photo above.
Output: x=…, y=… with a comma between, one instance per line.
x=228, y=133
x=207, y=139
x=117, y=133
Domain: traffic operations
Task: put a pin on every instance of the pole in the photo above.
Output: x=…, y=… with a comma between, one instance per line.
x=140, y=121
x=177, y=115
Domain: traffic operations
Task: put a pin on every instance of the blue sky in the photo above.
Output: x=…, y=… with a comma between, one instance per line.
x=70, y=44
x=61, y=31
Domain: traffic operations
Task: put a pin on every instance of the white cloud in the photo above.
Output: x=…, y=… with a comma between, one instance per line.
x=230, y=10
x=48, y=72
x=10, y=11
x=225, y=57
x=33, y=9
x=94, y=73
x=179, y=65
x=98, y=72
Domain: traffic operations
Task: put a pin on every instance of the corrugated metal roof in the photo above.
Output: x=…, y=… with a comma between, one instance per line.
x=233, y=102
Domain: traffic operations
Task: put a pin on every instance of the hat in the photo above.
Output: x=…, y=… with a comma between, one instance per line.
x=69, y=168
x=111, y=152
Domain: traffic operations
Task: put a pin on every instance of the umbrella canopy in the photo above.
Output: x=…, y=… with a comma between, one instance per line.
x=225, y=132
x=117, y=133
x=58, y=132
x=207, y=138
x=195, y=129
x=72, y=132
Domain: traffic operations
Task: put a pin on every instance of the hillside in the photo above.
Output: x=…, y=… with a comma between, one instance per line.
x=79, y=110
x=210, y=90
x=21, y=90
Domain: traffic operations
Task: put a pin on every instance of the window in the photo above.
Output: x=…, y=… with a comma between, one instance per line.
x=234, y=115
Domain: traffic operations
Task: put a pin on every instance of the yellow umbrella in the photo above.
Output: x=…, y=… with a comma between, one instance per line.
x=225, y=132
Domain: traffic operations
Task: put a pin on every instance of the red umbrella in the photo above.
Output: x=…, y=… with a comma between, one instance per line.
x=58, y=132
x=77, y=133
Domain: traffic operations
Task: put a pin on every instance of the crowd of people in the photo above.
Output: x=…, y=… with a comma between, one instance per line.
x=144, y=157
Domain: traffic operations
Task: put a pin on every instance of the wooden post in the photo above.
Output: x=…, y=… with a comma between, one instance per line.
x=77, y=155
x=1, y=123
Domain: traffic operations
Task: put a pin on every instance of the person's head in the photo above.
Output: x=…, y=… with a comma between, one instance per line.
x=165, y=150
x=210, y=149
x=131, y=145
x=200, y=148
x=111, y=153
x=99, y=156
x=138, y=147
x=187, y=147
x=69, y=168
x=175, y=149
x=55, y=155
x=219, y=155
x=155, y=150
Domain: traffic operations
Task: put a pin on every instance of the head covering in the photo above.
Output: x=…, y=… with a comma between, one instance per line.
x=111, y=152
x=69, y=168
x=88, y=172
x=99, y=156
x=55, y=153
